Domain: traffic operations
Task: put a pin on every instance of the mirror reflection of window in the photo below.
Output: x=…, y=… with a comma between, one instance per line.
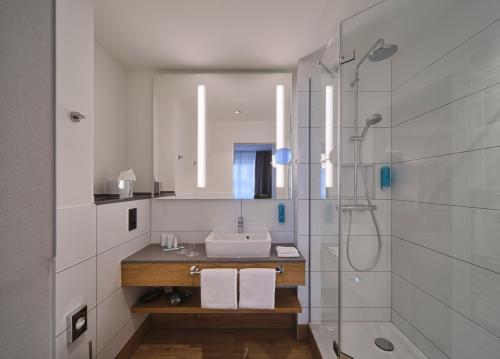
x=253, y=171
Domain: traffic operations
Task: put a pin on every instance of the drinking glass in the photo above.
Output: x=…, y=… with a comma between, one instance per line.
x=191, y=249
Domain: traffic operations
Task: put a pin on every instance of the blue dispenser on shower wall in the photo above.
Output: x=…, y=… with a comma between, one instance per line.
x=281, y=213
x=385, y=177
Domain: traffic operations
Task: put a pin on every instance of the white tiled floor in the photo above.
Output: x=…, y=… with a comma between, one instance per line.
x=358, y=341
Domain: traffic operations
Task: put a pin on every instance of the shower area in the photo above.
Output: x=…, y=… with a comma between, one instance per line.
x=401, y=156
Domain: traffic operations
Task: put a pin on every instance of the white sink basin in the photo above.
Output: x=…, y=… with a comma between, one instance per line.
x=238, y=245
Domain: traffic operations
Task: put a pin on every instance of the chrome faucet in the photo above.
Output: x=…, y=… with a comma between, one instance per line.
x=240, y=224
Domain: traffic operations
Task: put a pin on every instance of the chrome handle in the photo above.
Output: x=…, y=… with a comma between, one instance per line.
x=195, y=270
x=76, y=116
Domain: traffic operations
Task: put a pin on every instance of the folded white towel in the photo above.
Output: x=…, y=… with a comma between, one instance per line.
x=257, y=287
x=282, y=251
x=219, y=288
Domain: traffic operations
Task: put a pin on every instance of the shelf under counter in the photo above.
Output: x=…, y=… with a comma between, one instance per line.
x=286, y=302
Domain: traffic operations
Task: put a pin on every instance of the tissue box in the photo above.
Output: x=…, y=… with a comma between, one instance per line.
x=123, y=188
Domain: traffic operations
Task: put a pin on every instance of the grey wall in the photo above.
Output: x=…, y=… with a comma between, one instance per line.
x=26, y=177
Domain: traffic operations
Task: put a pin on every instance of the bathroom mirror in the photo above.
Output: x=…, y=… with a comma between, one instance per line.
x=222, y=135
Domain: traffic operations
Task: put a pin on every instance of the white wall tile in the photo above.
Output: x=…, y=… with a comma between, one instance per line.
x=80, y=348
x=424, y=344
x=466, y=179
x=366, y=289
x=449, y=230
x=75, y=286
x=195, y=215
x=325, y=315
x=376, y=148
x=199, y=237
x=369, y=103
x=114, y=313
x=366, y=314
x=112, y=223
x=359, y=289
x=324, y=253
x=182, y=237
x=374, y=76
x=322, y=315
x=324, y=289
x=324, y=218
x=469, y=68
x=282, y=237
x=312, y=183
x=443, y=35
x=303, y=247
x=468, y=289
x=452, y=333
x=362, y=223
x=111, y=350
x=263, y=215
x=469, y=123
x=303, y=217
x=109, y=265
x=76, y=235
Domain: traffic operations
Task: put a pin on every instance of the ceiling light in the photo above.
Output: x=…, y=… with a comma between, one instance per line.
x=237, y=112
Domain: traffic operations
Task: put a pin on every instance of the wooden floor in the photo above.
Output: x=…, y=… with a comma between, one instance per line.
x=222, y=343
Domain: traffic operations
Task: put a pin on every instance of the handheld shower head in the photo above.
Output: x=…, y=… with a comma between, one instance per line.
x=370, y=121
x=373, y=119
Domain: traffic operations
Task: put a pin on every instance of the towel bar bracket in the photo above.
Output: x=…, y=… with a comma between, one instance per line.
x=195, y=270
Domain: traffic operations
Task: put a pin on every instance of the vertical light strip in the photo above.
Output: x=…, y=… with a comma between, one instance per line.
x=328, y=136
x=201, y=160
x=280, y=132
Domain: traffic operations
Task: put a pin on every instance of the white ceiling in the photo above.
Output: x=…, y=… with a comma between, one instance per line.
x=217, y=34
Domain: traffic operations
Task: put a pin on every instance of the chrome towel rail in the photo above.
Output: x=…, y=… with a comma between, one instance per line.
x=195, y=270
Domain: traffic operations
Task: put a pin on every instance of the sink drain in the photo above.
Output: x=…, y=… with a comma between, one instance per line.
x=384, y=344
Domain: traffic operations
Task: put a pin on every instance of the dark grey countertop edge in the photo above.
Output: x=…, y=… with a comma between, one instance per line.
x=98, y=200
x=171, y=257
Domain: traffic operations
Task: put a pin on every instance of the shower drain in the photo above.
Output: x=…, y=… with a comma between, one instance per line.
x=384, y=344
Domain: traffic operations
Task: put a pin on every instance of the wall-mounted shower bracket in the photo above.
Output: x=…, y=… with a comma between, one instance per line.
x=344, y=59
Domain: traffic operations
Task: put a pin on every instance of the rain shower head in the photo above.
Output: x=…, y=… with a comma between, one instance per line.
x=383, y=52
x=370, y=121
x=379, y=51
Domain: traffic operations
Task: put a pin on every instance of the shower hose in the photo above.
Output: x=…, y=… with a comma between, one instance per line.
x=374, y=220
